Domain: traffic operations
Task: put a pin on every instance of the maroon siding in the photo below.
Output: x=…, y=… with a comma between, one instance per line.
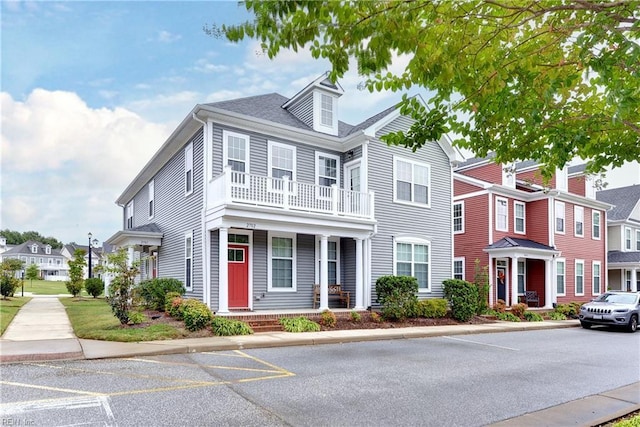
x=490, y=172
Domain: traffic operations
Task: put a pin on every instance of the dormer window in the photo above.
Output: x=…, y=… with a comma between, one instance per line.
x=47, y=249
x=34, y=249
x=326, y=110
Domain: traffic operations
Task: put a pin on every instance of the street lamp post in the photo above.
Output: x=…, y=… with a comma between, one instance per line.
x=92, y=243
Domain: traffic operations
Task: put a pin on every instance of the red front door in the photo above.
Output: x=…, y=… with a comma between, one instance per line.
x=238, y=276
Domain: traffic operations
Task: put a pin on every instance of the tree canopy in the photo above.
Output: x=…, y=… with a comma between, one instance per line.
x=546, y=80
x=16, y=238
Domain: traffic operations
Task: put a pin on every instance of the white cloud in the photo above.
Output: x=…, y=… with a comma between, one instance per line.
x=204, y=66
x=64, y=163
x=167, y=37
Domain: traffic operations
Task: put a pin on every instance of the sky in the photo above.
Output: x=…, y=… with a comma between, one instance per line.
x=90, y=90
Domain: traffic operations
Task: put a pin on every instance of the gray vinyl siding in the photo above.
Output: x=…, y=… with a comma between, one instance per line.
x=304, y=110
x=348, y=266
x=176, y=214
x=433, y=223
x=215, y=276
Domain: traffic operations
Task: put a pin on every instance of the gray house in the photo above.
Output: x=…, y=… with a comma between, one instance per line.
x=251, y=202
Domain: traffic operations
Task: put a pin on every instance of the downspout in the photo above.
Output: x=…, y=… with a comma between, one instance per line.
x=206, y=282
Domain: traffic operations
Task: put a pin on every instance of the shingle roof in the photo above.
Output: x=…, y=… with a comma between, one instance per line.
x=25, y=249
x=623, y=257
x=513, y=242
x=147, y=228
x=577, y=168
x=624, y=200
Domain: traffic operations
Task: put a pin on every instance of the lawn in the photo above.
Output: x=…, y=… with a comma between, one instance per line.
x=45, y=287
x=91, y=318
x=8, y=310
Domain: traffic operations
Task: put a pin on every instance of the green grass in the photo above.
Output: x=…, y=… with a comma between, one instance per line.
x=91, y=318
x=44, y=287
x=631, y=422
x=8, y=310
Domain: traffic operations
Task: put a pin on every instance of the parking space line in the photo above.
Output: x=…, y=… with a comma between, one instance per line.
x=230, y=368
x=279, y=369
x=481, y=343
x=44, y=387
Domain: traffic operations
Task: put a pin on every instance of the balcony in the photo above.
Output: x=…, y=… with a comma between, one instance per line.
x=238, y=188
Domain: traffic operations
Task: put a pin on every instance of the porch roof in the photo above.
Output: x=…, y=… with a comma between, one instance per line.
x=515, y=246
x=144, y=235
x=619, y=257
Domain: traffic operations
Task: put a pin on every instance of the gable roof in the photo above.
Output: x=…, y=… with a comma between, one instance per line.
x=623, y=199
x=25, y=249
x=514, y=242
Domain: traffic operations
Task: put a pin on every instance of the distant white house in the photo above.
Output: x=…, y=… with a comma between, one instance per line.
x=51, y=263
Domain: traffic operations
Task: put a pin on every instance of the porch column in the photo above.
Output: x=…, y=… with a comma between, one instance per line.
x=634, y=280
x=130, y=256
x=324, y=273
x=514, y=282
x=491, y=281
x=223, y=268
x=550, y=287
x=359, y=282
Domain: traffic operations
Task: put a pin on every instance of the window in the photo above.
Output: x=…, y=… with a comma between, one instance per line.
x=130, y=215
x=458, y=217
x=32, y=260
x=326, y=110
x=458, y=268
x=638, y=241
x=502, y=212
x=579, y=277
x=47, y=249
x=519, y=218
x=282, y=160
x=282, y=262
x=412, y=181
x=327, y=172
x=412, y=259
x=560, y=275
x=238, y=238
x=151, y=197
x=578, y=221
x=332, y=259
x=627, y=280
x=40, y=260
x=596, y=277
x=58, y=262
x=559, y=208
x=627, y=238
x=236, y=151
x=50, y=261
x=188, y=260
x=34, y=249
x=188, y=169
x=595, y=225
x=521, y=277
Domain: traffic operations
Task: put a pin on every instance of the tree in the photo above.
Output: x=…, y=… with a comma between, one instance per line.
x=32, y=272
x=121, y=285
x=16, y=238
x=76, y=272
x=528, y=79
x=8, y=281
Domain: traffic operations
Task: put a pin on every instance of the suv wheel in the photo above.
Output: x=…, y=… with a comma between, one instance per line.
x=633, y=323
x=587, y=325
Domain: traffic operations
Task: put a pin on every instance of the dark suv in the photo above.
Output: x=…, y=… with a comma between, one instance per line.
x=612, y=308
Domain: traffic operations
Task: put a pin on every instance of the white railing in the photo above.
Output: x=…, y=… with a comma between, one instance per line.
x=257, y=190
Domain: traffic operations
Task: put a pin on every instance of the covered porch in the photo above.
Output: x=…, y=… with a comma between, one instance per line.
x=623, y=271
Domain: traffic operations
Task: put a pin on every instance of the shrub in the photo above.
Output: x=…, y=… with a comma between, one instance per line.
x=570, y=310
x=299, y=324
x=76, y=265
x=397, y=295
x=120, y=287
x=375, y=317
x=463, y=297
x=432, y=308
x=174, y=307
x=328, y=319
x=94, y=286
x=224, y=327
x=500, y=306
x=481, y=280
x=195, y=314
x=8, y=285
x=74, y=287
x=506, y=316
x=154, y=291
x=532, y=316
x=555, y=315
x=136, y=317
x=355, y=316
x=519, y=310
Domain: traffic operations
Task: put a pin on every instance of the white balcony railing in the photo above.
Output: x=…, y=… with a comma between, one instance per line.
x=242, y=188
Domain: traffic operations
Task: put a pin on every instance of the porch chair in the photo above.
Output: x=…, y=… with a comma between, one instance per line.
x=531, y=297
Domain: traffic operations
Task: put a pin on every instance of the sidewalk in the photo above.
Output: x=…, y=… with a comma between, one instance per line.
x=41, y=331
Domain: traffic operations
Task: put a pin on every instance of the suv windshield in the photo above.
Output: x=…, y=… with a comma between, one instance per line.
x=617, y=298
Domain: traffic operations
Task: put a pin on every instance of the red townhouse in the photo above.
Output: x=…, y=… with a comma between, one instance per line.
x=549, y=239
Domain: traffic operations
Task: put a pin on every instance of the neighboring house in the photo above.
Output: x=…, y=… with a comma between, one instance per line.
x=548, y=239
x=252, y=201
x=51, y=263
x=69, y=250
x=4, y=246
x=623, y=225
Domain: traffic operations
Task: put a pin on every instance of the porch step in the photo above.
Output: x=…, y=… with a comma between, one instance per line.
x=265, y=325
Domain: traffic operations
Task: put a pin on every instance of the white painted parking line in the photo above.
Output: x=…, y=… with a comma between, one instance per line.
x=25, y=410
x=481, y=343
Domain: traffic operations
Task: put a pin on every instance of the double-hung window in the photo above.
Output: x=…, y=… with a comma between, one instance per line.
x=327, y=173
x=521, y=277
x=559, y=209
x=326, y=110
x=333, y=260
x=458, y=217
x=579, y=277
x=578, y=221
x=519, y=218
x=151, y=189
x=596, y=278
x=627, y=238
x=413, y=257
x=595, y=225
x=560, y=276
x=638, y=241
x=458, y=268
x=188, y=260
x=412, y=181
x=282, y=163
x=130, y=215
x=282, y=262
x=502, y=214
x=188, y=169
x=236, y=155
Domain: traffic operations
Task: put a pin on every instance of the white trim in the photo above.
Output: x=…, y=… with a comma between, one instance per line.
x=346, y=171
x=524, y=276
x=249, y=246
x=413, y=164
x=575, y=277
x=462, y=217
x=453, y=266
x=556, y=205
x=627, y=238
x=292, y=148
x=293, y=237
x=188, y=237
x=336, y=240
x=470, y=195
x=129, y=211
x=638, y=240
x=564, y=276
x=151, y=204
x=506, y=213
x=515, y=217
x=578, y=212
x=412, y=240
x=188, y=167
x=317, y=168
x=593, y=276
x=593, y=215
x=225, y=149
